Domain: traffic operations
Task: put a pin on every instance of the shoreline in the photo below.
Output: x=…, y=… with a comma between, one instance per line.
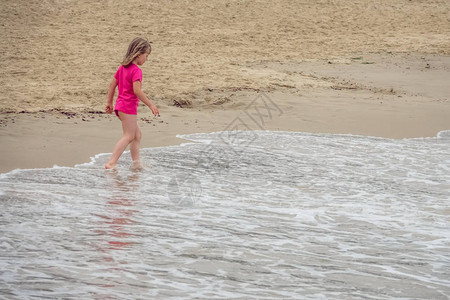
x=41, y=155
x=67, y=142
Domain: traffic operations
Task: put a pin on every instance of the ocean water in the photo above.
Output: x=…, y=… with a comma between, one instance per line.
x=235, y=215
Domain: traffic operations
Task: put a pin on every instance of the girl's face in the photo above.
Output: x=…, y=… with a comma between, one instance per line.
x=142, y=58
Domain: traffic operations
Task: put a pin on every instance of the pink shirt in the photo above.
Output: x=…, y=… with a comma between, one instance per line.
x=127, y=101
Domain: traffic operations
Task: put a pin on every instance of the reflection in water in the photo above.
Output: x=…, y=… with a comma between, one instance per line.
x=121, y=209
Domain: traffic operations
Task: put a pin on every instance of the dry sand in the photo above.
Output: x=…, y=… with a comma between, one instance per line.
x=376, y=68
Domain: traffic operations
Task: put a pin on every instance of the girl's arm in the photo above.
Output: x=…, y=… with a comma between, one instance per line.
x=141, y=96
x=111, y=90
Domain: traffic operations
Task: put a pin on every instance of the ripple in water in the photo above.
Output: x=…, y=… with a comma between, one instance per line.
x=235, y=215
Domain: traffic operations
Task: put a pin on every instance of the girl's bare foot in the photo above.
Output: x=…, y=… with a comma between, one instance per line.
x=137, y=166
x=110, y=166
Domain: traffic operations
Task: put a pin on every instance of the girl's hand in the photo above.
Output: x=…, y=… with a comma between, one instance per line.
x=154, y=109
x=109, y=109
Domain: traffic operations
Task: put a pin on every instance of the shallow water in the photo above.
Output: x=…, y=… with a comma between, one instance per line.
x=235, y=215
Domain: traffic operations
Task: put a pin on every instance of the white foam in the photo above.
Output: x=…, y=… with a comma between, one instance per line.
x=93, y=160
x=445, y=134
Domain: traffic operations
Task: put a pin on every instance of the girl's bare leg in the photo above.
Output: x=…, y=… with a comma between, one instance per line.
x=134, y=148
x=129, y=127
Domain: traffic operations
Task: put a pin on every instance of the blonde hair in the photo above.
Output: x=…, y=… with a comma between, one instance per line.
x=137, y=46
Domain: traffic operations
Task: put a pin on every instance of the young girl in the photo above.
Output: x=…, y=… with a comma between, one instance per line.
x=129, y=79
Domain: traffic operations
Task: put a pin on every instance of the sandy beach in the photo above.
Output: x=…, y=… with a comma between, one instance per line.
x=378, y=69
